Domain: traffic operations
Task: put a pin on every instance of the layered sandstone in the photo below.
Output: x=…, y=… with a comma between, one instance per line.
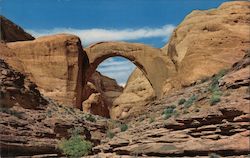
x=99, y=94
x=203, y=44
x=208, y=41
x=32, y=124
x=137, y=93
x=196, y=130
x=52, y=62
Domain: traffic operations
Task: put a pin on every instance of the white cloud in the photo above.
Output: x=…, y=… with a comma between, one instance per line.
x=117, y=68
x=89, y=36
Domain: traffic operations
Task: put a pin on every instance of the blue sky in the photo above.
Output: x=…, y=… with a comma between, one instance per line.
x=146, y=21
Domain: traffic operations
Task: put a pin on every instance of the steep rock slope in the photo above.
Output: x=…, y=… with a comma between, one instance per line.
x=33, y=125
x=100, y=93
x=11, y=32
x=52, y=63
x=207, y=41
x=203, y=44
x=199, y=126
x=136, y=93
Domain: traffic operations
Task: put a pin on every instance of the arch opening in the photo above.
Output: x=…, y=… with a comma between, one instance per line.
x=108, y=77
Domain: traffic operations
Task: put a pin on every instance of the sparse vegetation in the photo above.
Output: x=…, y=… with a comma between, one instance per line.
x=185, y=111
x=169, y=111
x=110, y=134
x=181, y=101
x=76, y=130
x=90, y=118
x=123, y=127
x=151, y=119
x=215, y=98
x=190, y=101
x=214, y=88
x=214, y=155
x=76, y=146
x=11, y=112
x=49, y=113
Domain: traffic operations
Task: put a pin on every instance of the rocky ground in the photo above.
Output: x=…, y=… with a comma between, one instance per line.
x=205, y=110
x=199, y=126
x=32, y=124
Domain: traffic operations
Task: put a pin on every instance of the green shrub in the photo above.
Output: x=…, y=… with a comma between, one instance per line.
x=214, y=85
x=110, y=134
x=214, y=88
x=215, y=99
x=75, y=146
x=190, y=101
x=123, y=127
x=90, y=118
x=169, y=111
x=151, y=119
x=181, y=101
x=76, y=131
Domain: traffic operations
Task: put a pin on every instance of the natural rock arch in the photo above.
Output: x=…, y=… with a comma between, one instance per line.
x=155, y=65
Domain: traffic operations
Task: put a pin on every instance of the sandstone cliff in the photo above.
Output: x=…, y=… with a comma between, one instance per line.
x=203, y=44
x=208, y=41
x=52, y=63
x=137, y=93
x=32, y=124
x=188, y=122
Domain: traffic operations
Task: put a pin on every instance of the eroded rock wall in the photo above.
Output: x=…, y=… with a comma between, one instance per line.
x=52, y=63
x=208, y=41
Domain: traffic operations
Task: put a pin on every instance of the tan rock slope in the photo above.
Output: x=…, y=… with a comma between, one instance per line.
x=31, y=124
x=11, y=32
x=208, y=41
x=197, y=126
x=137, y=93
x=52, y=63
x=203, y=44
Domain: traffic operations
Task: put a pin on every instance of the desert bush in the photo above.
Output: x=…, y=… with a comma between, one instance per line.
x=214, y=88
x=190, y=101
x=169, y=111
x=90, y=118
x=215, y=97
x=151, y=119
x=123, y=127
x=110, y=134
x=214, y=85
x=76, y=146
x=181, y=101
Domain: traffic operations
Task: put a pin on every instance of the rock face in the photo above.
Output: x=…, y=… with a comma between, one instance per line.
x=137, y=93
x=195, y=127
x=208, y=41
x=11, y=32
x=203, y=44
x=33, y=125
x=148, y=59
x=100, y=93
x=53, y=63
